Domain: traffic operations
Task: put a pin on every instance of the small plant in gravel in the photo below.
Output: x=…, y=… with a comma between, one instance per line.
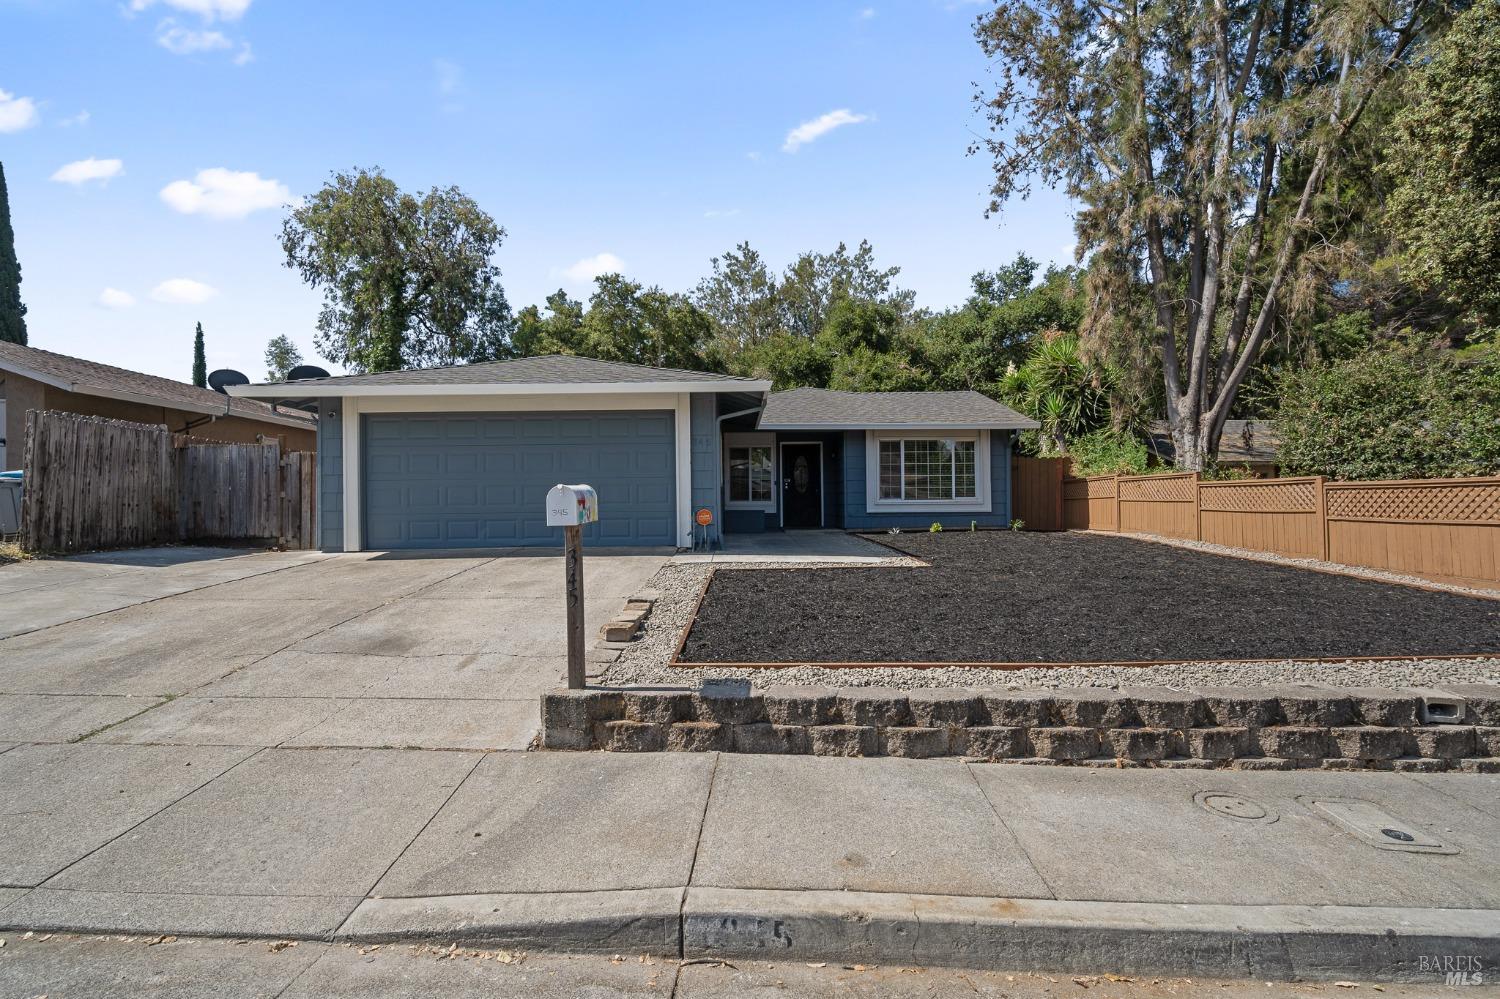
x=1018, y=524
x=894, y=530
x=936, y=528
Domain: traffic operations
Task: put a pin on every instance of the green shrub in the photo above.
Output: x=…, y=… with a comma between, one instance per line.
x=1105, y=452
x=1396, y=413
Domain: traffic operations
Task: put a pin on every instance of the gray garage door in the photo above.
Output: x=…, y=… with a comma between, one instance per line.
x=479, y=480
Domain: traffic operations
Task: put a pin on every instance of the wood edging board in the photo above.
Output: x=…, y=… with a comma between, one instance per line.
x=1139, y=664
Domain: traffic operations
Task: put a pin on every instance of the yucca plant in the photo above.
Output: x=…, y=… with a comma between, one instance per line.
x=1057, y=387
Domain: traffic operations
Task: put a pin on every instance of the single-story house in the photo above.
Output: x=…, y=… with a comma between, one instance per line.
x=1248, y=444
x=31, y=378
x=463, y=456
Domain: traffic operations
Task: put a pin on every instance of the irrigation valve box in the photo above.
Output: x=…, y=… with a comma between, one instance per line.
x=571, y=506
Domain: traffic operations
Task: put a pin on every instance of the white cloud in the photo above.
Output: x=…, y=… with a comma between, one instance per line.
x=721, y=213
x=114, y=298
x=820, y=126
x=229, y=10
x=81, y=118
x=225, y=194
x=865, y=13
x=450, y=76
x=16, y=113
x=584, y=271
x=183, y=291
x=186, y=41
x=83, y=171
x=244, y=56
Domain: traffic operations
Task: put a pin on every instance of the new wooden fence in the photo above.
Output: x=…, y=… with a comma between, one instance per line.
x=1448, y=528
x=95, y=483
x=1037, y=491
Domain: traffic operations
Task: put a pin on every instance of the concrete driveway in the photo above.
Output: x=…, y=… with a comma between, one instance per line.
x=220, y=648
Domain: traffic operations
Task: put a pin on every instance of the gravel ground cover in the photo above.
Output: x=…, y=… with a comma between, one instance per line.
x=1074, y=598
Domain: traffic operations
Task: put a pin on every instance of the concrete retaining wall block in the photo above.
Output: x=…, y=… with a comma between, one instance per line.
x=935, y=707
x=1187, y=728
x=1370, y=742
x=1023, y=708
x=1070, y=742
x=997, y=742
x=769, y=739
x=631, y=736
x=698, y=737
x=1139, y=744
x=1445, y=742
x=844, y=740
x=914, y=743
x=799, y=705
x=876, y=706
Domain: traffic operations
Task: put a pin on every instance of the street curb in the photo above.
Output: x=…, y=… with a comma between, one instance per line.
x=1282, y=942
x=1263, y=942
x=629, y=920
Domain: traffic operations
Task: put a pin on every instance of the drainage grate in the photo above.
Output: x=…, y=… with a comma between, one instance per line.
x=1235, y=806
x=1376, y=826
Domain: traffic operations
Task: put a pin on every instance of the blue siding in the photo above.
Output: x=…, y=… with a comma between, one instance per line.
x=856, y=518
x=705, y=460
x=330, y=477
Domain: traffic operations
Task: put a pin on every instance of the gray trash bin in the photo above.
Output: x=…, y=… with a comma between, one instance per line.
x=10, y=502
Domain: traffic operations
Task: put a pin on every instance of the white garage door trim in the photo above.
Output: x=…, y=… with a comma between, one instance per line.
x=355, y=406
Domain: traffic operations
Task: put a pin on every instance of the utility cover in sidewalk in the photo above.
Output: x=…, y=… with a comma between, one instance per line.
x=1235, y=806
x=1375, y=825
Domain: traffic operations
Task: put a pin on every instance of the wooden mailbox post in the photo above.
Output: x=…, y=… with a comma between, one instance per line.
x=570, y=507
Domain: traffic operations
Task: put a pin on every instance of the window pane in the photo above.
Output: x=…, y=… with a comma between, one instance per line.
x=963, y=470
x=890, y=469
x=928, y=469
x=760, y=474
x=739, y=474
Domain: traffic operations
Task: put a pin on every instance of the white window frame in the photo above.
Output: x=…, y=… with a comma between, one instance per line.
x=979, y=503
x=765, y=440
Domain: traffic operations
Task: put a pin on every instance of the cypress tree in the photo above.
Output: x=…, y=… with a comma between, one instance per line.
x=200, y=362
x=12, y=311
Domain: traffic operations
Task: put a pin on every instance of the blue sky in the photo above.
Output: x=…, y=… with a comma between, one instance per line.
x=649, y=137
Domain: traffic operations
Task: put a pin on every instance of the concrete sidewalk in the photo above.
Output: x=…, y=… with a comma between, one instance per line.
x=1265, y=875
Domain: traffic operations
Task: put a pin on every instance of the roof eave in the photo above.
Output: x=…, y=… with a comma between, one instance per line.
x=84, y=388
x=302, y=390
x=867, y=425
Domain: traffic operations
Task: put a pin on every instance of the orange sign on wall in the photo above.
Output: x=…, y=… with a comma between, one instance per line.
x=704, y=517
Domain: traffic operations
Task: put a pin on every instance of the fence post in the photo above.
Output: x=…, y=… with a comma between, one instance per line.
x=1118, y=523
x=1197, y=507
x=1322, y=494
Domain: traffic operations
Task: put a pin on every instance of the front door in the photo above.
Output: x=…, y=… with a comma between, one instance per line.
x=802, y=485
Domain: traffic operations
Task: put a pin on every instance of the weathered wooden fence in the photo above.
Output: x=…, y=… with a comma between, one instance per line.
x=1448, y=528
x=95, y=483
x=1037, y=491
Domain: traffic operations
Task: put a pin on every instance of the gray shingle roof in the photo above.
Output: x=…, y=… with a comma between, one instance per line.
x=823, y=409
x=92, y=378
x=550, y=369
x=1242, y=440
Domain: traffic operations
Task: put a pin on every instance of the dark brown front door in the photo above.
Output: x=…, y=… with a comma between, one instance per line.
x=802, y=485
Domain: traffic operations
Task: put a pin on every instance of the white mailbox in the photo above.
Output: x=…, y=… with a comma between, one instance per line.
x=570, y=506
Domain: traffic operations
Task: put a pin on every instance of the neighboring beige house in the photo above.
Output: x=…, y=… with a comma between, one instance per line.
x=39, y=379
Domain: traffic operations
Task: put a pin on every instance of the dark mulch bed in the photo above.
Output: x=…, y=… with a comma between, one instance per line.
x=1020, y=597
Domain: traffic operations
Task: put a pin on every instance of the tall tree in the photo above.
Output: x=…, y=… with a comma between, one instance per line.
x=740, y=296
x=407, y=281
x=1200, y=137
x=814, y=282
x=12, y=309
x=1445, y=159
x=281, y=357
x=200, y=359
